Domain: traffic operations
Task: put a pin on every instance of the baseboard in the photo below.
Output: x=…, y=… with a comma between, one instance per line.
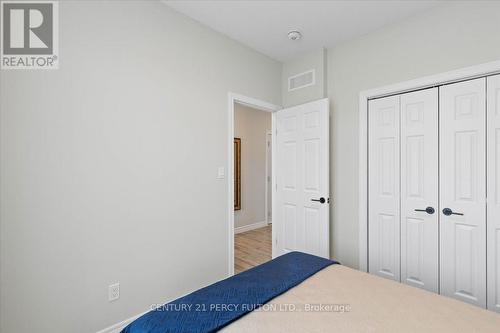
x=118, y=327
x=249, y=227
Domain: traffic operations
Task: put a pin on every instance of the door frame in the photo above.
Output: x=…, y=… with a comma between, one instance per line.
x=463, y=74
x=268, y=133
x=259, y=105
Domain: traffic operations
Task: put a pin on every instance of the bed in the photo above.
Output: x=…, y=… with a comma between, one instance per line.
x=303, y=293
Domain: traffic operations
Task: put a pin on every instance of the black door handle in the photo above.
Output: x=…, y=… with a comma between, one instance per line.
x=320, y=200
x=428, y=210
x=448, y=212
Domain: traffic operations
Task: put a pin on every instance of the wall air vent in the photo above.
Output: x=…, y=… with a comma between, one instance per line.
x=302, y=80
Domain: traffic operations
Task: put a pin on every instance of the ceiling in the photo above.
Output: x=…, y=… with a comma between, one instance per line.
x=263, y=25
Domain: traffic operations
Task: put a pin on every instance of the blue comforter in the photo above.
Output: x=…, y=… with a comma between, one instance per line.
x=213, y=307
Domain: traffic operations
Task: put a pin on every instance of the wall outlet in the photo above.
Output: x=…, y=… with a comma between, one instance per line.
x=113, y=292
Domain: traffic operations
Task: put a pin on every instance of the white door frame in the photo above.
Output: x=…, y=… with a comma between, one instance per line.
x=259, y=105
x=467, y=73
x=270, y=132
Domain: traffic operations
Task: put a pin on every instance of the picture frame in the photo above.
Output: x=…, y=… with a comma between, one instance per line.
x=237, y=174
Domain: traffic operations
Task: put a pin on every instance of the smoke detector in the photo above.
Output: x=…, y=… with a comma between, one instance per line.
x=294, y=35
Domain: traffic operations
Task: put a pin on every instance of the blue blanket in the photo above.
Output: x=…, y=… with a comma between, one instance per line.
x=213, y=307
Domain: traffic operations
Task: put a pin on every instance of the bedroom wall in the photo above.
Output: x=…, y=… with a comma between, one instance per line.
x=251, y=126
x=109, y=165
x=451, y=36
x=316, y=60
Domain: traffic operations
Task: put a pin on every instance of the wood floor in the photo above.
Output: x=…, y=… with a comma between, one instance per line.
x=252, y=248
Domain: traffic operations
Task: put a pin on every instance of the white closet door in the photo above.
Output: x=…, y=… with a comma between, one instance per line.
x=463, y=191
x=419, y=189
x=493, y=214
x=383, y=183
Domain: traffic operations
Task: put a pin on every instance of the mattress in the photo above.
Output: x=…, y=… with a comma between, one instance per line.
x=340, y=299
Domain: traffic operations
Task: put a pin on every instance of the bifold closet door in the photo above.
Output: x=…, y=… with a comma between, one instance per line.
x=419, y=189
x=463, y=191
x=383, y=184
x=493, y=214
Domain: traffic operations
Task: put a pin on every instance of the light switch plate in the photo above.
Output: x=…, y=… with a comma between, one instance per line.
x=221, y=173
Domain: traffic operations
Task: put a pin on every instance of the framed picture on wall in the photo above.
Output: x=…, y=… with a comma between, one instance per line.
x=237, y=173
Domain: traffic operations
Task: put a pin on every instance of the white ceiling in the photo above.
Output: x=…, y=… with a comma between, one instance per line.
x=263, y=25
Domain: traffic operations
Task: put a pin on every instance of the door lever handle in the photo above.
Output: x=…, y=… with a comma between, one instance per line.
x=320, y=200
x=428, y=210
x=448, y=212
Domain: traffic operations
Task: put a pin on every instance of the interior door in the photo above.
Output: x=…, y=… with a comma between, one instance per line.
x=493, y=174
x=463, y=191
x=383, y=187
x=301, y=214
x=419, y=189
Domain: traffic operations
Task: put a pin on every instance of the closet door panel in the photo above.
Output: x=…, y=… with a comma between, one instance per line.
x=493, y=176
x=419, y=189
x=384, y=196
x=463, y=191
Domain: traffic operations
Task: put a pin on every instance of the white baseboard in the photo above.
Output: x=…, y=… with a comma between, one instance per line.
x=249, y=227
x=116, y=328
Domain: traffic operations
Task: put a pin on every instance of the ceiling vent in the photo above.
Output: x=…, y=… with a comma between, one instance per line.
x=301, y=80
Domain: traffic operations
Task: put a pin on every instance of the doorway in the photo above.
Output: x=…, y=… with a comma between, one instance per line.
x=299, y=179
x=252, y=240
x=250, y=179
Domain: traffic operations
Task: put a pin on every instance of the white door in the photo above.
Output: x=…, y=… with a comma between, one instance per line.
x=493, y=214
x=383, y=185
x=463, y=191
x=419, y=189
x=301, y=214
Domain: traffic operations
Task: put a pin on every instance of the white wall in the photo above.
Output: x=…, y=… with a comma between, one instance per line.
x=108, y=165
x=449, y=37
x=251, y=126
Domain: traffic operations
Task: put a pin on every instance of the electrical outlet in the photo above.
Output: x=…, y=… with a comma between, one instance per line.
x=113, y=292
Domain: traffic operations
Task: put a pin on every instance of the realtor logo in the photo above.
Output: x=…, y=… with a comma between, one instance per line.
x=29, y=36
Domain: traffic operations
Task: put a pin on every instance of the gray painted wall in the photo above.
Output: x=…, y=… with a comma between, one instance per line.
x=109, y=164
x=316, y=60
